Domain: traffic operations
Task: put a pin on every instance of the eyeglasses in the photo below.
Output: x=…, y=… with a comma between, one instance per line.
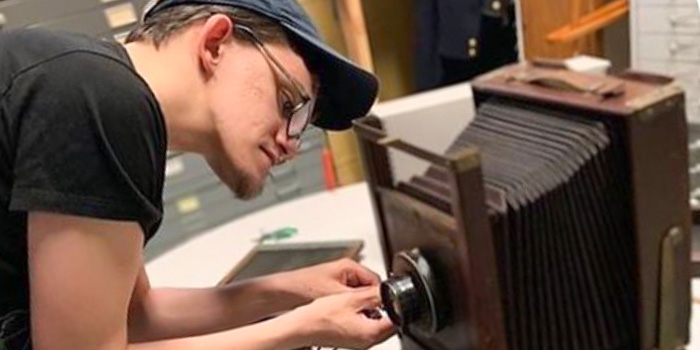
x=298, y=114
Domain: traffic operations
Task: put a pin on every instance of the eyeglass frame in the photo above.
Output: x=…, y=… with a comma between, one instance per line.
x=300, y=91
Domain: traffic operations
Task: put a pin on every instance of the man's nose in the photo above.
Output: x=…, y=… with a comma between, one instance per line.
x=288, y=145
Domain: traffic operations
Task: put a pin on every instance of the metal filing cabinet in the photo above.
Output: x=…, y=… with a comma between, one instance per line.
x=666, y=40
x=195, y=200
x=100, y=18
x=694, y=163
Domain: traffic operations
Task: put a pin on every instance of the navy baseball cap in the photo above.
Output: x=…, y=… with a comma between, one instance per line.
x=346, y=91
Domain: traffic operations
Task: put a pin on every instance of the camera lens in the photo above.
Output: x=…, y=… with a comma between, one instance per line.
x=402, y=300
x=411, y=295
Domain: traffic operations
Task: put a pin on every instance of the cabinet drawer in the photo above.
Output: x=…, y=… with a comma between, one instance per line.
x=686, y=73
x=669, y=19
x=673, y=69
x=313, y=182
x=203, y=198
x=308, y=160
x=184, y=168
x=668, y=47
x=692, y=108
x=30, y=12
x=100, y=22
x=172, y=192
x=644, y=3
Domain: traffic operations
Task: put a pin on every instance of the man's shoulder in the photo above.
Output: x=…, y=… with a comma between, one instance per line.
x=67, y=66
x=23, y=50
x=45, y=43
x=80, y=81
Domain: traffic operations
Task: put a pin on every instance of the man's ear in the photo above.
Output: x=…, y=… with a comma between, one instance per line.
x=215, y=33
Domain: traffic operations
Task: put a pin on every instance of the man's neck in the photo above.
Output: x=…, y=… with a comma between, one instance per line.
x=172, y=75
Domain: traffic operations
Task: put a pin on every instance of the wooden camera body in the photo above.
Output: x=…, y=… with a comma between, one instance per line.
x=475, y=267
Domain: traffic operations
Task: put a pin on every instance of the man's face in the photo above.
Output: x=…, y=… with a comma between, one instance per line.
x=248, y=96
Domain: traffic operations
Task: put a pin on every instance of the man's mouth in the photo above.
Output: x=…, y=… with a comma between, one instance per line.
x=273, y=158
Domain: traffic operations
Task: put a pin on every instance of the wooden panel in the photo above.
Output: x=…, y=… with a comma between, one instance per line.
x=541, y=17
x=352, y=22
x=393, y=49
x=342, y=145
x=391, y=39
x=322, y=13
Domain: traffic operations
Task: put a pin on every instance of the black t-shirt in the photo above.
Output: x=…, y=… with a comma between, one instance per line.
x=80, y=133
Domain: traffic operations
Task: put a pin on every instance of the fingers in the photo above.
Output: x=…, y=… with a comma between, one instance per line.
x=366, y=277
x=367, y=298
x=360, y=328
x=358, y=275
x=383, y=330
x=378, y=330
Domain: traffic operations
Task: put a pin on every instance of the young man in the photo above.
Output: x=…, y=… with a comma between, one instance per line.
x=85, y=125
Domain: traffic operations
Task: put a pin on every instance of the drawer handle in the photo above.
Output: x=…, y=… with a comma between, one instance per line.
x=695, y=193
x=188, y=205
x=304, y=146
x=3, y=20
x=174, y=167
x=679, y=20
x=289, y=191
x=674, y=47
x=198, y=226
x=192, y=219
x=695, y=170
x=281, y=171
x=309, y=144
x=681, y=73
x=121, y=15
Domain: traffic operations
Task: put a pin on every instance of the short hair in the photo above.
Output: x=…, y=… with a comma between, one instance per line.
x=161, y=26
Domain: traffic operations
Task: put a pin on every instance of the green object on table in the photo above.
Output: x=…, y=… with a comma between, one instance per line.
x=279, y=235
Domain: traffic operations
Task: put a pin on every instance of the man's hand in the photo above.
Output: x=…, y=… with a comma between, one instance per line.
x=342, y=321
x=326, y=279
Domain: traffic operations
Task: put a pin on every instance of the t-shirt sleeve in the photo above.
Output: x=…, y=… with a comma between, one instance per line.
x=90, y=141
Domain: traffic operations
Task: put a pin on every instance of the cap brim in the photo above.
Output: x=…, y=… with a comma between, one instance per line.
x=346, y=91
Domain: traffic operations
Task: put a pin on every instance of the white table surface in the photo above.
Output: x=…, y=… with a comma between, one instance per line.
x=341, y=214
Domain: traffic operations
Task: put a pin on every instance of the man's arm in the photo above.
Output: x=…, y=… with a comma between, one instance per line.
x=82, y=274
x=162, y=313
x=275, y=334
x=336, y=321
x=157, y=314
